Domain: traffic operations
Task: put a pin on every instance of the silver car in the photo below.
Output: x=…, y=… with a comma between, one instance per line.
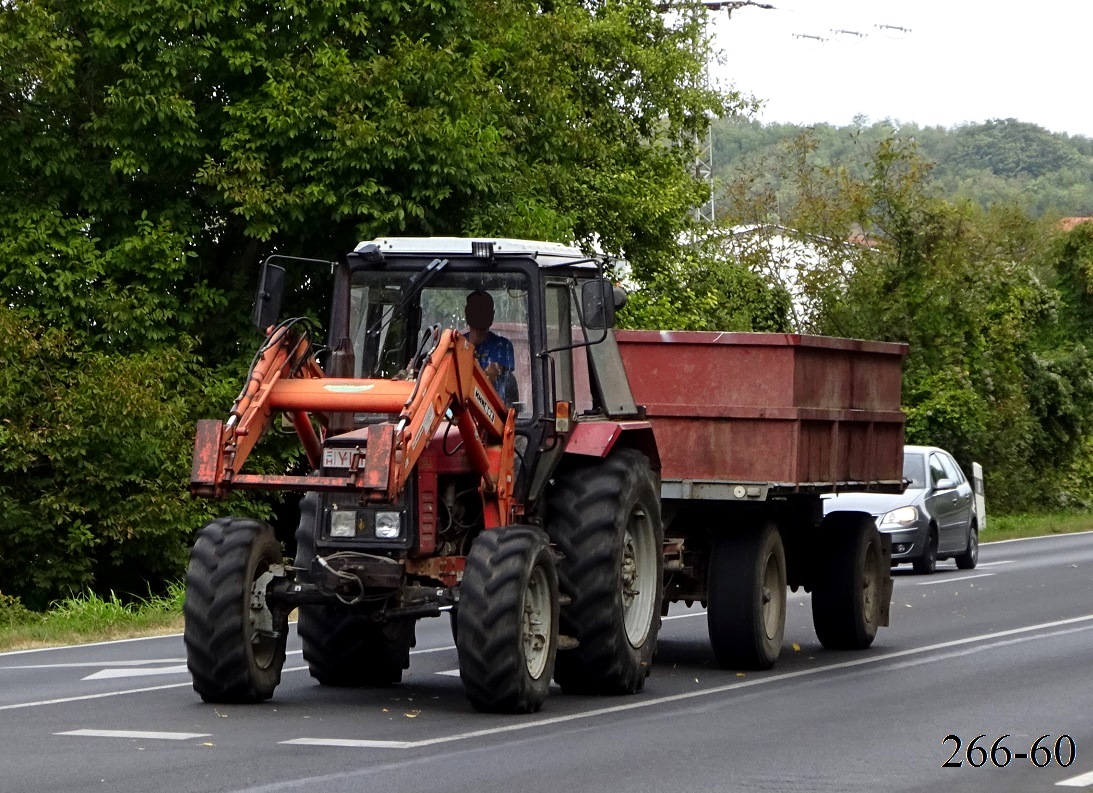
x=933, y=519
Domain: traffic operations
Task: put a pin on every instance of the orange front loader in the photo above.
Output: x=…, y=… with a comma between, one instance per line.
x=286, y=379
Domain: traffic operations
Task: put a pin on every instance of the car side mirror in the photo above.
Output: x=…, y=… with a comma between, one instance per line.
x=598, y=304
x=944, y=484
x=267, y=301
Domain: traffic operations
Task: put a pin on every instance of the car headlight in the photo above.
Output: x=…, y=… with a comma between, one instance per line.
x=904, y=516
x=343, y=523
x=388, y=525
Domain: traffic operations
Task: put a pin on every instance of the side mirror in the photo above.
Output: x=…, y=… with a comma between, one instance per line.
x=598, y=304
x=620, y=296
x=267, y=301
x=944, y=484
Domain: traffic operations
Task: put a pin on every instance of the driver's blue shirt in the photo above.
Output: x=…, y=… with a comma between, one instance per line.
x=495, y=349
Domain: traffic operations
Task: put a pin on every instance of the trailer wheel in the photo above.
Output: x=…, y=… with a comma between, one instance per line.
x=846, y=601
x=346, y=648
x=746, y=615
x=507, y=622
x=235, y=645
x=605, y=519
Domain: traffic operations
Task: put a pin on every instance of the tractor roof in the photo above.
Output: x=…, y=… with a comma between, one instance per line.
x=545, y=253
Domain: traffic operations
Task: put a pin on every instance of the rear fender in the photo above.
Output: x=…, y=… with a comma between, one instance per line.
x=598, y=438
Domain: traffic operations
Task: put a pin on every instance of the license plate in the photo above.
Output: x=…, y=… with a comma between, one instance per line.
x=338, y=458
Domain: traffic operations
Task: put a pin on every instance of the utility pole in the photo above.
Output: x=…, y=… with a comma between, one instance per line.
x=703, y=164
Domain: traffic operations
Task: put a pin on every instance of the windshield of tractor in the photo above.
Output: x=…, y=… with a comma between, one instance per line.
x=387, y=322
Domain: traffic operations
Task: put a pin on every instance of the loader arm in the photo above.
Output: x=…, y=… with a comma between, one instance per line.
x=286, y=378
x=451, y=380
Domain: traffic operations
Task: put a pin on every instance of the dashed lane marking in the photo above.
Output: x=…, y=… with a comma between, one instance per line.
x=947, y=580
x=139, y=734
x=1082, y=780
x=109, y=674
x=350, y=743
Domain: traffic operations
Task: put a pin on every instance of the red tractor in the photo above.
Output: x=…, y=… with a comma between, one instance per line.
x=523, y=498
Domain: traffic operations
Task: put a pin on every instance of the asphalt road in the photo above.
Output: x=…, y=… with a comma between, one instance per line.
x=1006, y=649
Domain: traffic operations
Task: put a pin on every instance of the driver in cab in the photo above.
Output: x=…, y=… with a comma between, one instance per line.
x=493, y=352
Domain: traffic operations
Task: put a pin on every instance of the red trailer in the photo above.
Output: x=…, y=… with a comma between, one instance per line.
x=751, y=429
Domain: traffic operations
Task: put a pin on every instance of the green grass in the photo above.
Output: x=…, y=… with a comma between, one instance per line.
x=88, y=618
x=1011, y=527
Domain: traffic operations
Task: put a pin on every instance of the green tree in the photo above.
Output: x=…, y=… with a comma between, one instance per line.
x=155, y=150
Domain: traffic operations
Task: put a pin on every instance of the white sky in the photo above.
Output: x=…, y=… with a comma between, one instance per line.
x=963, y=61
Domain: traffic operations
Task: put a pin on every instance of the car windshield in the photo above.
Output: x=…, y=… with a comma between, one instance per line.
x=385, y=334
x=914, y=468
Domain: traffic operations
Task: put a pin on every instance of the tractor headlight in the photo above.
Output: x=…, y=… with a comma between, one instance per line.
x=388, y=525
x=904, y=516
x=343, y=523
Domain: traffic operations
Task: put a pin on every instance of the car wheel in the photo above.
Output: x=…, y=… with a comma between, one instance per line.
x=927, y=563
x=970, y=558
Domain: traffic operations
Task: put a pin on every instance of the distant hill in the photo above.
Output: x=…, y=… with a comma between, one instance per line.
x=1000, y=161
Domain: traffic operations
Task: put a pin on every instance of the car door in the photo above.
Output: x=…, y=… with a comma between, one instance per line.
x=963, y=506
x=941, y=503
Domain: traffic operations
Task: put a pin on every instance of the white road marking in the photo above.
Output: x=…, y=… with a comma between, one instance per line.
x=162, y=736
x=1083, y=780
x=350, y=743
x=684, y=616
x=953, y=580
x=100, y=664
x=105, y=694
x=450, y=672
x=734, y=686
x=108, y=674
x=1041, y=537
x=993, y=564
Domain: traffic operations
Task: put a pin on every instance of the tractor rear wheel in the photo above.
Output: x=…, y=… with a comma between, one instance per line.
x=605, y=519
x=342, y=647
x=346, y=649
x=847, y=599
x=507, y=621
x=235, y=644
x=746, y=615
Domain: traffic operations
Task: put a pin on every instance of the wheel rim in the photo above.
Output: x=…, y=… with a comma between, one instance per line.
x=537, y=619
x=974, y=542
x=263, y=646
x=773, y=598
x=870, y=585
x=639, y=571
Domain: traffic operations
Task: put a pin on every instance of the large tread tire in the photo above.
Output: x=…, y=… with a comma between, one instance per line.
x=746, y=592
x=229, y=657
x=605, y=519
x=344, y=648
x=507, y=621
x=970, y=558
x=847, y=606
x=927, y=563
x=347, y=650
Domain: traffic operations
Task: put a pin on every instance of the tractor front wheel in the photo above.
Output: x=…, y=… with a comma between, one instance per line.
x=235, y=644
x=507, y=621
